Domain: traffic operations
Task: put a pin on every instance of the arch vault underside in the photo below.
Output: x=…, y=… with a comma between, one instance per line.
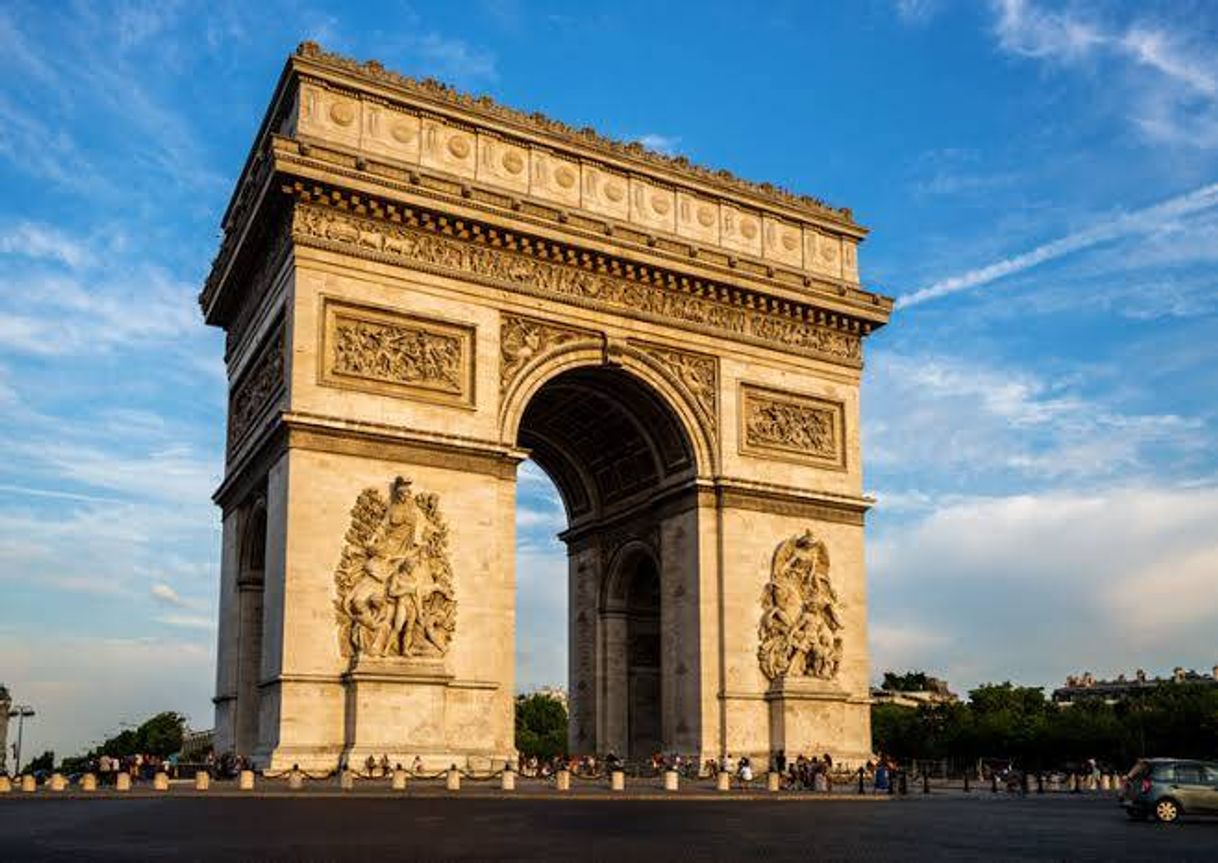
x=420, y=290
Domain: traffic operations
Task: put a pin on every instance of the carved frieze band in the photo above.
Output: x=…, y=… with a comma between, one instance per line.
x=260, y=384
x=793, y=426
x=522, y=340
x=697, y=374
x=397, y=354
x=531, y=267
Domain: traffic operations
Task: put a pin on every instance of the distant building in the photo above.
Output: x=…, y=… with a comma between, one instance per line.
x=1085, y=686
x=6, y=703
x=935, y=692
x=556, y=693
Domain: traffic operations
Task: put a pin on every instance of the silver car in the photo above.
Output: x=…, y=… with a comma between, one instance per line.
x=1166, y=788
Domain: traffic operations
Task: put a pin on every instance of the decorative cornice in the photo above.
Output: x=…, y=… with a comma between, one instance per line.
x=400, y=234
x=436, y=91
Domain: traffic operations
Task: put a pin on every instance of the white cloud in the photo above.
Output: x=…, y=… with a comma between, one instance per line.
x=1032, y=587
x=31, y=240
x=166, y=594
x=964, y=421
x=666, y=144
x=1167, y=78
x=83, y=687
x=1136, y=222
x=187, y=621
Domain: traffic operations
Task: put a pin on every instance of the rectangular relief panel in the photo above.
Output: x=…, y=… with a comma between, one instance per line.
x=383, y=351
x=792, y=426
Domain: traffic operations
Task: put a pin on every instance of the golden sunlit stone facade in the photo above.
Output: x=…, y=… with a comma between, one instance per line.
x=420, y=289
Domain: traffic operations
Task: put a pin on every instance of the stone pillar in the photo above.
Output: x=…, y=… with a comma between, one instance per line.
x=773, y=781
x=724, y=781
x=617, y=781
x=122, y=782
x=88, y=782
x=6, y=784
x=672, y=780
x=398, y=782
x=225, y=699
x=583, y=594
x=245, y=781
x=160, y=782
x=562, y=780
x=509, y=781
x=202, y=780
x=452, y=779
x=28, y=783
x=57, y=782
x=613, y=727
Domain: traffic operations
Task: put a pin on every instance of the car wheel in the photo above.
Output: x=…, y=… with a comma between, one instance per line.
x=1167, y=810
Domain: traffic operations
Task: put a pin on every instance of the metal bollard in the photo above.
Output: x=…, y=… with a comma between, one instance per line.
x=202, y=780
x=617, y=781
x=724, y=781
x=672, y=780
x=57, y=782
x=160, y=781
x=562, y=780
x=509, y=779
x=452, y=781
x=122, y=782
x=399, y=779
x=773, y=781
x=245, y=780
x=88, y=782
x=346, y=780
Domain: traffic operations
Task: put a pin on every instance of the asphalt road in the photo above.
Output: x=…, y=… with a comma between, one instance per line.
x=979, y=828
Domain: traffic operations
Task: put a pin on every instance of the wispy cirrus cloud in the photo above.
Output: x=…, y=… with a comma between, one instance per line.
x=1136, y=222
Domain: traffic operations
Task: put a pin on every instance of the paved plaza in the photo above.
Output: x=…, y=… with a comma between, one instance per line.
x=588, y=827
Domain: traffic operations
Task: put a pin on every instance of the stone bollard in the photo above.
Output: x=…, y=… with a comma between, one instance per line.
x=202, y=780
x=296, y=778
x=452, y=781
x=562, y=780
x=122, y=782
x=1105, y=783
x=1055, y=784
x=346, y=780
x=57, y=782
x=724, y=781
x=399, y=779
x=160, y=782
x=617, y=781
x=88, y=782
x=6, y=784
x=672, y=780
x=245, y=781
x=509, y=780
x=773, y=781
x=29, y=784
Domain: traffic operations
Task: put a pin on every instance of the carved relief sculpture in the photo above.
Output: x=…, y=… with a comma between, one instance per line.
x=522, y=340
x=800, y=621
x=802, y=427
x=394, y=581
x=399, y=354
x=256, y=389
x=697, y=374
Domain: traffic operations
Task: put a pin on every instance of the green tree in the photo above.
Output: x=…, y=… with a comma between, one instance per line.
x=910, y=681
x=45, y=761
x=161, y=735
x=541, y=726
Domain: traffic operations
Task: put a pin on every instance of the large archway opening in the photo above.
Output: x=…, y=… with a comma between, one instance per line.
x=622, y=465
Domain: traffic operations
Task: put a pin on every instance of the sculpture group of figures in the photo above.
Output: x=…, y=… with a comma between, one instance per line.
x=800, y=624
x=395, y=591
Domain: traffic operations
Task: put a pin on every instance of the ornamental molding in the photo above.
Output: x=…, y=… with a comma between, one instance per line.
x=394, y=582
x=382, y=351
x=697, y=375
x=792, y=426
x=523, y=340
x=483, y=106
x=800, y=629
x=261, y=384
x=503, y=259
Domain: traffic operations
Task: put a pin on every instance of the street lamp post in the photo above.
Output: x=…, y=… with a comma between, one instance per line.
x=21, y=711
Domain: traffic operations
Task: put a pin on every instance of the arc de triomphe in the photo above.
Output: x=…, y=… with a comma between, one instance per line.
x=420, y=289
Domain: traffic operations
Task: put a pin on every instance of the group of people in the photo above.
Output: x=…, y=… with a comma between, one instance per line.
x=138, y=766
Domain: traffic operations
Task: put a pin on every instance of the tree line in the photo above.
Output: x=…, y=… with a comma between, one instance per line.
x=1003, y=721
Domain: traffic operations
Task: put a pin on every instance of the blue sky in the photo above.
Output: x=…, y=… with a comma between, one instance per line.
x=1040, y=417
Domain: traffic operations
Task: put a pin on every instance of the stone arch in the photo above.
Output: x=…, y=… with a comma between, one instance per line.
x=593, y=352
